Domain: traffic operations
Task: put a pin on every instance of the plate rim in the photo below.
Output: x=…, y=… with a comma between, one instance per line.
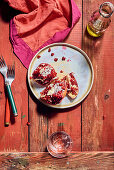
x=90, y=65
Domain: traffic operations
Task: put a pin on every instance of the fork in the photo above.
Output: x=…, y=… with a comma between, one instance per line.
x=9, y=80
x=3, y=67
x=3, y=70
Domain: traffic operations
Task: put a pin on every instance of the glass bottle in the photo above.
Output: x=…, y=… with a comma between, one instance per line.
x=100, y=19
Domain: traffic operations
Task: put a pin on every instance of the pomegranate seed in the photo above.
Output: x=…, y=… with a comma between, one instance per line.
x=55, y=59
x=60, y=84
x=30, y=77
x=28, y=123
x=63, y=88
x=49, y=49
x=61, y=71
x=38, y=56
x=52, y=54
x=63, y=58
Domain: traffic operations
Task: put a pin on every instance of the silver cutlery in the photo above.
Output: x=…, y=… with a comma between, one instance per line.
x=9, y=75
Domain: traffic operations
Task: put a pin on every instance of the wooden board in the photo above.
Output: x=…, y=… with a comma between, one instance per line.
x=45, y=121
x=75, y=161
x=98, y=108
x=15, y=137
x=89, y=124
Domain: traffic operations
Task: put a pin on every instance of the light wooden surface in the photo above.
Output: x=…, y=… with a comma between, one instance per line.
x=90, y=124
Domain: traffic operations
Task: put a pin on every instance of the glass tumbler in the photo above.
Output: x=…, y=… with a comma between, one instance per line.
x=100, y=19
x=59, y=144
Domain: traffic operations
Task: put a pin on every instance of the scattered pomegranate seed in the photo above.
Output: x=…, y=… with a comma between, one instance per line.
x=49, y=49
x=63, y=58
x=30, y=77
x=68, y=60
x=55, y=59
x=28, y=123
x=63, y=47
x=52, y=54
x=61, y=71
x=38, y=56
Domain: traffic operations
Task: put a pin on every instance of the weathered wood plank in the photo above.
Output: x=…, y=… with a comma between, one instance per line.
x=98, y=108
x=70, y=118
x=44, y=120
x=38, y=125
x=77, y=161
x=15, y=137
x=69, y=121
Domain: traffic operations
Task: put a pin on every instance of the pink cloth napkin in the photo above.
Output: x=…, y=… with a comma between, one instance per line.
x=41, y=22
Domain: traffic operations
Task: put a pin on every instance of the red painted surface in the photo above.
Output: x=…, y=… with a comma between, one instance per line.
x=98, y=108
x=15, y=136
x=70, y=118
x=89, y=124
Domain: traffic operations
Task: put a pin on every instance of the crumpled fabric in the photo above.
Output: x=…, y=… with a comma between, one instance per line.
x=40, y=23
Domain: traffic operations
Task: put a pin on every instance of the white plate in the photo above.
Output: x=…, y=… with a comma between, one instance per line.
x=76, y=61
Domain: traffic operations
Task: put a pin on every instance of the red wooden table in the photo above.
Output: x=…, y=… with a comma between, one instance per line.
x=90, y=124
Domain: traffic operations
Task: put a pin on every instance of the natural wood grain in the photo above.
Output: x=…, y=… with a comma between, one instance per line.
x=69, y=121
x=38, y=125
x=14, y=137
x=75, y=161
x=98, y=108
x=45, y=120
x=70, y=118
